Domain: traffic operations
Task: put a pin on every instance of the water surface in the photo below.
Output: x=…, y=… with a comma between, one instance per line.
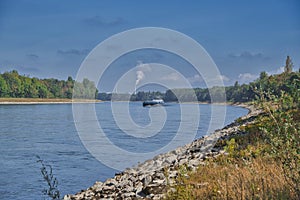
x=49, y=132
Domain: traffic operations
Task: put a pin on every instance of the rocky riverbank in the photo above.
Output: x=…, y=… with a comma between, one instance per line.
x=150, y=180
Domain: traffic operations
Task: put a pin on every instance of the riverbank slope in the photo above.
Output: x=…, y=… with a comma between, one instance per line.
x=150, y=180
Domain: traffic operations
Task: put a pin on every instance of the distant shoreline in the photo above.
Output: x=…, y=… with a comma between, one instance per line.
x=28, y=101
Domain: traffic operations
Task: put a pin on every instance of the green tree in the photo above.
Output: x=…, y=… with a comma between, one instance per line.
x=14, y=84
x=3, y=87
x=85, y=89
x=288, y=68
x=30, y=90
x=263, y=75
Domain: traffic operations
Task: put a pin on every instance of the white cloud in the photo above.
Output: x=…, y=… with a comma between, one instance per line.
x=246, y=55
x=171, y=77
x=213, y=81
x=276, y=71
x=224, y=78
x=195, y=79
x=247, y=77
x=218, y=80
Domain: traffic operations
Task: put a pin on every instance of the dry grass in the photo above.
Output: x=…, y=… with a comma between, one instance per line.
x=260, y=178
x=249, y=171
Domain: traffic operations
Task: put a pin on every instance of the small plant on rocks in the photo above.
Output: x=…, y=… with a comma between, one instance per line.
x=46, y=170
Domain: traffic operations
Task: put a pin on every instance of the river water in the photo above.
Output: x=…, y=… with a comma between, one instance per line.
x=48, y=131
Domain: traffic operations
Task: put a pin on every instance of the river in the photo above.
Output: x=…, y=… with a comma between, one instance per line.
x=49, y=131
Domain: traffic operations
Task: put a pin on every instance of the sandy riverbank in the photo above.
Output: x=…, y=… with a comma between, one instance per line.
x=25, y=101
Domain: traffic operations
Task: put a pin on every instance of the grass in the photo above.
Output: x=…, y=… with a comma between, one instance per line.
x=258, y=179
x=247, y=173
x=264, y=163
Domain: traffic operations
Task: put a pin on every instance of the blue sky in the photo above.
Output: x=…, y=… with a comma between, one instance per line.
x=51, y=38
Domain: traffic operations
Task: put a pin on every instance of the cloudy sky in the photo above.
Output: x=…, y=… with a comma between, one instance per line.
x=51, y=38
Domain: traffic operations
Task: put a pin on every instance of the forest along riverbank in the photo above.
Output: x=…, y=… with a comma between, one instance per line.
x=150, y=180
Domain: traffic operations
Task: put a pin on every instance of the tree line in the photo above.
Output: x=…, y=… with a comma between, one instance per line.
x=14, y=85
x=265, y=85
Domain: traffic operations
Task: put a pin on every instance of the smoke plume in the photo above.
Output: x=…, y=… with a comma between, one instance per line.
x=139, y=76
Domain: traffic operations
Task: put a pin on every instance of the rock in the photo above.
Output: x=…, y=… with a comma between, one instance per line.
x=154, y=189
x=141, y=177
x=89, y=194
x=133, y=178
x=147, y=180
x=194, y=162
x=150, y=196
x=110, y=182
x=123, y=183
x=130, y=194
x=159, y=181
x=97, y=187
x=158, y=197
x=171, y=159
x=139, y=188
x=67, y=197
x=173, y=174
x=157, y=164
x=159, y=175
x=128, y=189
x=183, y=161
x=106, y=188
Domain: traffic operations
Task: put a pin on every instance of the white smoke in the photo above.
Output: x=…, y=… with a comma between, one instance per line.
x=139, y=76
x=140, y=73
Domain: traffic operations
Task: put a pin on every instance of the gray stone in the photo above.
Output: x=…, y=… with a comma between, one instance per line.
x=130, y=194
x=133, y=178
x=194, y=162
x=147, y=180
x=159, y=181
x=128, y=189
x=108, y=187
x=123, y=183
x=171, y=159
x=159, y=175
x=157, y=164
x=141, y=177
x=67, y=197
x=173, y=174
x=110, y=182
x=183, y=161
x=97, y=187
x=139, y=188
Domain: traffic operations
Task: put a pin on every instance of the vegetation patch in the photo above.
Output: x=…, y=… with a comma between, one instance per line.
x=14, y=85
x=262, y=163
